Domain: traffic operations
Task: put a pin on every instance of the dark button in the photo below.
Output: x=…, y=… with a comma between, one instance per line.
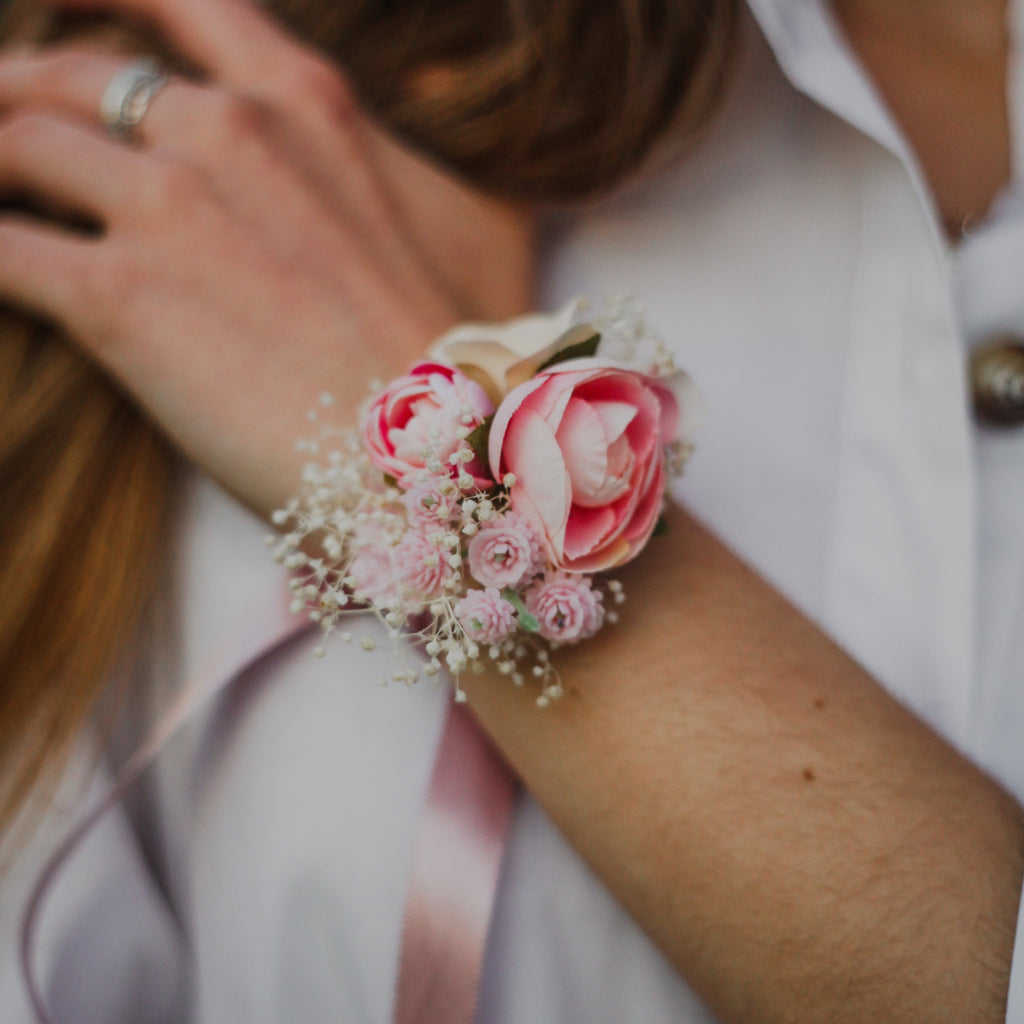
x=997, y=382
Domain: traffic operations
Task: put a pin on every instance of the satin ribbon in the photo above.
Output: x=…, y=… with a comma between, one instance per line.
x=457, y=851
x=456, y=863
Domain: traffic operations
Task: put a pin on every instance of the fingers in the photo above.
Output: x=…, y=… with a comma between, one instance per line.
x=47, y=270
x=235, y=42
x=203, y=121
x=73, y=81
x=65, y=165
x=237, y=141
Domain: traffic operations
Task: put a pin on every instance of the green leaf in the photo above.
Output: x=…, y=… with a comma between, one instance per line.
x=527, y=622
x=479, y=438
x=660, y=527
x=580, y=342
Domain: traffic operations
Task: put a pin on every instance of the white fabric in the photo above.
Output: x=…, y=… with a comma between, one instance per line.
x=796, y=267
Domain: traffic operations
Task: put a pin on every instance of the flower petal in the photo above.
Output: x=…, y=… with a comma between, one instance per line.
x=587, y=529
x=615, y=417
x=531, y=452
x=581, y=438
x=485, y=351
x=645, y=516
x=521, y=336
x=502, y=417
x=484, y=362
x=682, y=407
x=609, y=556
x=527, y=367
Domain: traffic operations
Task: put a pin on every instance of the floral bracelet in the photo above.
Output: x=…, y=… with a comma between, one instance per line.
x=486, y=493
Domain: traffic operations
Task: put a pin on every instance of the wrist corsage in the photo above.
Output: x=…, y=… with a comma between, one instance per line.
x=488, y=492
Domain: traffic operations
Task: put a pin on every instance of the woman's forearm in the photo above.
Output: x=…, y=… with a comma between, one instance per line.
x=799, y=845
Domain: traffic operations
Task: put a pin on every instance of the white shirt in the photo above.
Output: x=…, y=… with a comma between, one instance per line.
x=796, y=266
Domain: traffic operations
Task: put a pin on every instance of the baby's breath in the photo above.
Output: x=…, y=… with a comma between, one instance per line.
x=345, y=507
x=356, y=540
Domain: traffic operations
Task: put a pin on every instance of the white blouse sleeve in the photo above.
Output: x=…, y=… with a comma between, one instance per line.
x=107, y=949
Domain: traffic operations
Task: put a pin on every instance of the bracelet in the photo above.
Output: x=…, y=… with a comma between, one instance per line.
x=486, y=493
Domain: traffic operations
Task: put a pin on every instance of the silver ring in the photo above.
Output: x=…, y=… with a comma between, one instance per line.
x=128, y=96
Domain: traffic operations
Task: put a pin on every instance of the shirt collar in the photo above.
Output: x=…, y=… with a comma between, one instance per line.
x=817, y=60
x=814, y=56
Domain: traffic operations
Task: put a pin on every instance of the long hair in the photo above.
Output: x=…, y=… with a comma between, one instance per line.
x=543, y=100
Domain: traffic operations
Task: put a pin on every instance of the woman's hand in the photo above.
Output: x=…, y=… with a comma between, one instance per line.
x=261, y=243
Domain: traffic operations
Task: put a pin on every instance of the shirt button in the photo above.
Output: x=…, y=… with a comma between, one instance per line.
x=997, y=381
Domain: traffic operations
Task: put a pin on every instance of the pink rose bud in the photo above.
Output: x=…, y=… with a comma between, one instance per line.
x=374, y=577
x=505, y=552
x=422, y=567
x=424, y=412
x=486, y=616
x=566, y=607
x=427, y=507
x=585, y=442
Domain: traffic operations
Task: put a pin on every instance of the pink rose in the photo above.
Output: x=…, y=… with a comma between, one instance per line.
x=567, y=608
x=374, y=576
x=422, y=567
x=585, y=443
x=506, y=552
x=486, y=616
x=423, y=412
x=427, y=506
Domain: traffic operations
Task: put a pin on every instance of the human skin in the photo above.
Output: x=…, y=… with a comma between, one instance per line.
x=263, y=244
x=941, y=66
x=799, y=845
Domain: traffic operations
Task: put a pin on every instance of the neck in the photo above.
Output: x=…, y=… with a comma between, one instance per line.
x=941, y=66
x=975, y=25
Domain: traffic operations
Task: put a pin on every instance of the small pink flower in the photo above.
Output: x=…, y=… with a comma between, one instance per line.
x=486, y=616
x=424, y=412
x=567, y=607
x=427, y=508
x=374, y=576
x=506, y=552
x=421, y=566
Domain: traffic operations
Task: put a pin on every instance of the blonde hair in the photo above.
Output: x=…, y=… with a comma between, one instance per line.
x=541, y=99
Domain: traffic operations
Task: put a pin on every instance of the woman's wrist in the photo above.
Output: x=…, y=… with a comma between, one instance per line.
x=796, y=842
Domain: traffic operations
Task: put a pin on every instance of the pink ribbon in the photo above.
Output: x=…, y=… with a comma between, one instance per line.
x=456, y=862
x=457, y=853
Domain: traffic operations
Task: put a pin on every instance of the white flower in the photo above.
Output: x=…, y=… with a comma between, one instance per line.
x=500, y=356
